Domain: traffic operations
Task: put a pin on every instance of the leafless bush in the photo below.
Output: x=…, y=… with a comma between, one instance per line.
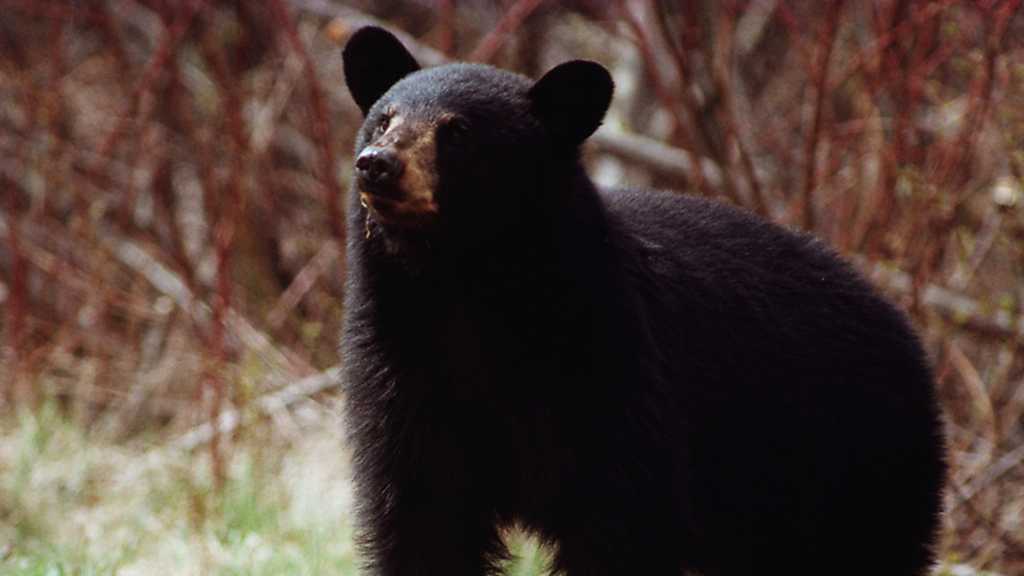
x=172, y=174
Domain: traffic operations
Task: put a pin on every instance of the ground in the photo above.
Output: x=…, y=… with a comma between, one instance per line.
x=73, y=503
x=77, y=504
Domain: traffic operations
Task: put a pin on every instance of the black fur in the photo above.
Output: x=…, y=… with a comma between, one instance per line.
x=650, y=382
x=369, y=78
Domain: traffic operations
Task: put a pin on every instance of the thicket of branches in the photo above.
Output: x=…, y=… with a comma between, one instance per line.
x=171, y=175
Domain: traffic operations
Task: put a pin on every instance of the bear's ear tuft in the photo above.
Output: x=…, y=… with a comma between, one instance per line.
x=374, y=60
x=572, y=98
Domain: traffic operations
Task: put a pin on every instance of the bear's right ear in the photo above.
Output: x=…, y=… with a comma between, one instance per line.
x=374, y=60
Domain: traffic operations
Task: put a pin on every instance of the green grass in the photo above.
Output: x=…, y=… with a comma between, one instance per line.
x=74, y=503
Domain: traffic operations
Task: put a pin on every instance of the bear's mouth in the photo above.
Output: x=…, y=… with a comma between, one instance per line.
x=404, y=213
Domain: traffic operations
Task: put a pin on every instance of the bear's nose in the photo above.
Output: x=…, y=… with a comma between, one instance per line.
x=378, y=167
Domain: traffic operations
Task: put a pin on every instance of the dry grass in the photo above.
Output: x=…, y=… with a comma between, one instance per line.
x=76, y=503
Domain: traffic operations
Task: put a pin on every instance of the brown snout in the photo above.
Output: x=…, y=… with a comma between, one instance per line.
x=396, y=175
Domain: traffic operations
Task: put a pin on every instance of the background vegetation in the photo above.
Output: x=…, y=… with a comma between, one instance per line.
x=171, y=175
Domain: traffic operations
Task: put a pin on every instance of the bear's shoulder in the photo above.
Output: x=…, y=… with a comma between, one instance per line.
x=689, y=223
x=726, y=251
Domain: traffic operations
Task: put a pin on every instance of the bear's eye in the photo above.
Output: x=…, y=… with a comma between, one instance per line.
x=382, y=126
x=455, y=130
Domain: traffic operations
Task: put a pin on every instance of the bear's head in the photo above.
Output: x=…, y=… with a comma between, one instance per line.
x=463, y=144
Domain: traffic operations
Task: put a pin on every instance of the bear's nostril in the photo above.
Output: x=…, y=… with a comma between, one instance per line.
x=378, y=167
x=363, y=163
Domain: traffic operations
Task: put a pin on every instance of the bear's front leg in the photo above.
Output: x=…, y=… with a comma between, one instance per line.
x=593, y=547
x=422, y=516
x=618, y=517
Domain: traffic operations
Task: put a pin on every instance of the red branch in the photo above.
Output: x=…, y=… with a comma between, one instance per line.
x=820, y=75
x=55, y=10
x=321, y=124
x=224, y=234
x=954, y=169
x=446, y=24
x=665, y=96
x=167, y=48
x=494, y=39
x=918, y=18
x=16, y=300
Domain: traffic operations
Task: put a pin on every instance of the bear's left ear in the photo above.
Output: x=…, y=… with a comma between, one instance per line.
x=374, y=60
x=571, y=99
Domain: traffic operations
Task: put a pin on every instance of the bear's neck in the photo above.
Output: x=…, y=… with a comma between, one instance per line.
x=564, y=254
x=536, y=305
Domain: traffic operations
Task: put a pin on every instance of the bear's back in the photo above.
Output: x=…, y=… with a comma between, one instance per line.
x=717, y=263
x=786, y=353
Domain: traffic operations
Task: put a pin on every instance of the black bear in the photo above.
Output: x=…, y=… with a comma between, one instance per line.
x=651, y=383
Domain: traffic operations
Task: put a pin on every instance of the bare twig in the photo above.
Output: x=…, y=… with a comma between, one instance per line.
x=347, y=20
x=512, y=19
x=268, y=113
x=229, y=420
x=1011, y=460
x=952, y=305
x=657, y=156
x=723, y=78
x=321, y=124
x=667, y=97
x=819, y=72
x=920, y=15
x=982, y=247
x=953, y=170
x=11, y=353
x=224, y=245
x=975, y=388
x=302, y=283
x=168, y=283
x=446, y=23
x=168, y=45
